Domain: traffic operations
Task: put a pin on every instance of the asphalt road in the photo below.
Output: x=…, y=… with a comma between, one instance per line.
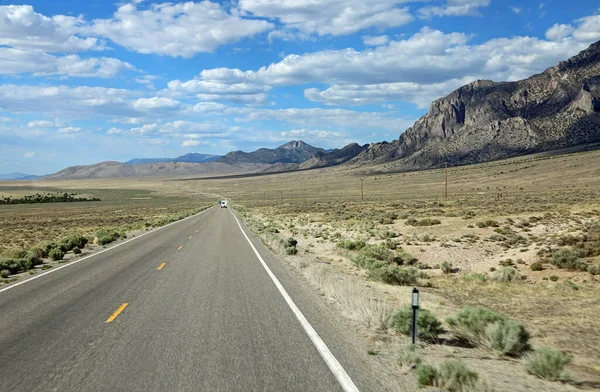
x=191, y=308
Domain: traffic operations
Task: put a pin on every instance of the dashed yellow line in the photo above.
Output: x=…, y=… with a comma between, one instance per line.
x=117, y=312
x=180, y=247
x=196, y=230
x=161, y=266
x=190, y=238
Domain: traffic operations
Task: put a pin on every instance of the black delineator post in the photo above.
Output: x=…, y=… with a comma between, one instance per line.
x=415, y=309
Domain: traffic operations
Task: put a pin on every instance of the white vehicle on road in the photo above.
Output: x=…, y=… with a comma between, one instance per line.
x=223, y=203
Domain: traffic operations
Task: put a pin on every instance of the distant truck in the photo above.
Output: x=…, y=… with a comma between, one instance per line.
x=223, y=203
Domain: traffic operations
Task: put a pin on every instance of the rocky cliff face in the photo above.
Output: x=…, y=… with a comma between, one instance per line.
x=485, y=120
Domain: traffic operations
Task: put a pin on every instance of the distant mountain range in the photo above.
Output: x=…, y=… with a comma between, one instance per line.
x=18, y=176
x=292, y=152
x=192, y=157
x=286, y=157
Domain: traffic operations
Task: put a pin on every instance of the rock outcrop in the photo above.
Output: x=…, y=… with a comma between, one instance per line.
x=484, y=120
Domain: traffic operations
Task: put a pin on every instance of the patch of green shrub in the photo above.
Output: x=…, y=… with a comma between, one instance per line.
x=547, y=363
x=106, y=236
x=553, y=278
x=446, y=267
x=476, y=277
x=74, y=241
x=537, y=266
x=33, y=258
x=568, y=259
x=13, y=266
x=291, y=250
x=507, y=337
x=423, y=222
x=494, y=330
x=291, y=242
x=56, y=253
x=470, y=322
x=4, y=274
x=594, y=269
x=426, y=375
x=378, y=253
x=487, y=223
x=506, y=274
x=428, y=326
x=406, y=356
x=453, y=376
x=351, y=245
x=393, y=274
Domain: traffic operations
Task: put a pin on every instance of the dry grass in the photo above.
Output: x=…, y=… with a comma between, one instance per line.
x=25, y=225
x=351, y=297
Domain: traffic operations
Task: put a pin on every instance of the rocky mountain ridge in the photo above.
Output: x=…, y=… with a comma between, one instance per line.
x=485, y=120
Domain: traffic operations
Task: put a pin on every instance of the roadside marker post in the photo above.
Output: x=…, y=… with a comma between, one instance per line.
x=415, y=310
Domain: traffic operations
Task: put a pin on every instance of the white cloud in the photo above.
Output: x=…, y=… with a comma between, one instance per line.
x=34, y=43
x=516, y=10
x=115, y=131
x=426, y=56
x=40, y=124
x=29, y=155
x=329, y=17
x=16, y=61
x=191, y=143
x=155, y=103
x=454, y=8
x=147, y=80
x=418, y=69
x=179, y=30
x=559, y=32
x=70, y=130
x=244, y=93
x=23, y=28
x=317, y=117
x=375, y=40
x=312, y=134
x=588, y=29
x=420, y=94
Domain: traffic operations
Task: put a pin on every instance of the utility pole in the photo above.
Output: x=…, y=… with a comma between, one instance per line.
x=446, y=188
x=281, y=195
x=305, y=195
x=362, y=190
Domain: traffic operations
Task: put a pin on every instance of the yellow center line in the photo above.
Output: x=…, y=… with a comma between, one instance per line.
x=190, y=238
x=180, y=247
x=161, y=266
x=116, y=313
x=196, y=231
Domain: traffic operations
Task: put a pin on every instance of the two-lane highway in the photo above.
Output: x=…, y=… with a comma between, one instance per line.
x=189, y=307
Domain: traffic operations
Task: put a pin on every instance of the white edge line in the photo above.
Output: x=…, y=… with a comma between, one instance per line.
x=96, y=254
x=333, y=364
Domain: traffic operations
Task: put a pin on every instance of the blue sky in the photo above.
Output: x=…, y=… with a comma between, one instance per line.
x=87, y=81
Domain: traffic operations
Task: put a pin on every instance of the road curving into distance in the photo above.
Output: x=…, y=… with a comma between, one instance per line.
x=196, y=306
